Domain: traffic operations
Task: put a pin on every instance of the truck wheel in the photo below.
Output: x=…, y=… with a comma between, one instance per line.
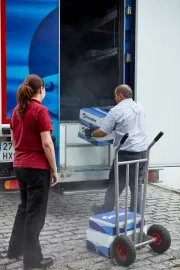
x=123, y=250
x=163, y=237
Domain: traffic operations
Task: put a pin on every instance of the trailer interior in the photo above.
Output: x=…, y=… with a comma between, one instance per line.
x=91, y=59
x=89, y=55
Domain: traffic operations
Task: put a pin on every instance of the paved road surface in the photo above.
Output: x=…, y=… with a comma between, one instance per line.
x=64, y=233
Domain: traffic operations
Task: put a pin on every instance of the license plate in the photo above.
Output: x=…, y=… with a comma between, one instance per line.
x=6, y=152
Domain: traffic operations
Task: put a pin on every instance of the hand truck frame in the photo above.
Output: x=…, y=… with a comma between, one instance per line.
x=123, y=248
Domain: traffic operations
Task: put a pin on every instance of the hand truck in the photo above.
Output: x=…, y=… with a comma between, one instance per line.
x=123, y=248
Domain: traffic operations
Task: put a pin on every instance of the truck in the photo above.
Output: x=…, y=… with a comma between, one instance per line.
x=83, y=52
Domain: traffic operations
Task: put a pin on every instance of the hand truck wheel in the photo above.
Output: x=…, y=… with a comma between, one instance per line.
x=123, y=250
x=163, y=237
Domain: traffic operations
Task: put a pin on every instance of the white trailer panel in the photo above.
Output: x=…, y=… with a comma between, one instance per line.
x=158, y=73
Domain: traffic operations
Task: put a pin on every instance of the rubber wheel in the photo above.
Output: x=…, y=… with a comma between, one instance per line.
x=163, y=242
x=123, y=250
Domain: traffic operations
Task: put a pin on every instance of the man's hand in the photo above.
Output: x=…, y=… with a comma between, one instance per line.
x=89, y=130
x=54, y=179
x=97, y=132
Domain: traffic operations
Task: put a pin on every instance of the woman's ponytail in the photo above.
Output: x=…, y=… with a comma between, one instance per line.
x=26, y=91
x=24, y=95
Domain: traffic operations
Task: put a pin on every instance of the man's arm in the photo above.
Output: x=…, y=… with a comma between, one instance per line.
x=99, y=133
x=106, y=128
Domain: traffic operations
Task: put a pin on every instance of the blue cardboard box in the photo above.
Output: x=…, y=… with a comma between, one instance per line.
x=102, y=230
x=106, y=222
x=100, y=243
x=94, y=117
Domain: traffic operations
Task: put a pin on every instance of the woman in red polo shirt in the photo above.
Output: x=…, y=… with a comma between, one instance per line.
x=34, y=165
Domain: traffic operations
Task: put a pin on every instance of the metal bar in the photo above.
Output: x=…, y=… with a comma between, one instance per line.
x=144, y=196
x=126, y=201
x=115, y=33
x=133, y=46
x=151, y=145
x=160, y=167
x=145, y=243
x=124, y=40
x=107, y=19
x=135, y=35
x=89, y=168
x=65, y=162
x=120, y=64
x=116, y=176
x=132, y=161
x=69, y=122
x=135, y=199
x=99, y=52
x=59, y=85
x=111, y=52
x=79, y=145
x=104, y=32
x=109, y=155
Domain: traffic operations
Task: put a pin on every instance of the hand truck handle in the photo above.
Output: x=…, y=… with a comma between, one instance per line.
x=155, y=140
x=124, y=138
x=158, y=136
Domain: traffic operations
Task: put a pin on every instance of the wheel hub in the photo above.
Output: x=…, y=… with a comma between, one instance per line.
x=158, y=239
x=121, y=251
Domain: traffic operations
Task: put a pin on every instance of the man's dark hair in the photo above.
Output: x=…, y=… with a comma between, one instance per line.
x=125, y=90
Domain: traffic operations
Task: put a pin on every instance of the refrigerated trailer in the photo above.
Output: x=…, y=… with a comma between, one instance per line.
x=83, y=52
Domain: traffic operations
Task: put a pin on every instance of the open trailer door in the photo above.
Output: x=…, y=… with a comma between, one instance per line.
x=157, y=81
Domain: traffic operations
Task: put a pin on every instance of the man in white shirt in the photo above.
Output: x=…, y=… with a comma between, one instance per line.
x=126, y=117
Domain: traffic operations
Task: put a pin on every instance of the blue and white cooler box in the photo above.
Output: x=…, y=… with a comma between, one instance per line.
x=94, y=117
x=102, y=230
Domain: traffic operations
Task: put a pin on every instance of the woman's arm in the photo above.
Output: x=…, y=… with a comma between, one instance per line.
x=12, y=137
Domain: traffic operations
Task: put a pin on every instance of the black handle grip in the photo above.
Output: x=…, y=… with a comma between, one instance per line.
x=124, y=138
x=158, y=136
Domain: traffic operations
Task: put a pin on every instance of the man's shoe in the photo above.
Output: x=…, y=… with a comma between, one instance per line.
x=45, y=263
x=97, y=209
